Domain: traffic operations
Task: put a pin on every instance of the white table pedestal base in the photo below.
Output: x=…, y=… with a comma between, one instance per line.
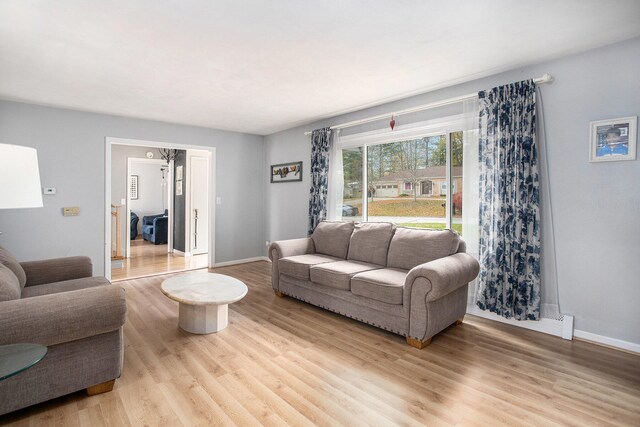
x=203, y=319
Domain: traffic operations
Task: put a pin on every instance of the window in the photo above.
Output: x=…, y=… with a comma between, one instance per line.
x=427, y=167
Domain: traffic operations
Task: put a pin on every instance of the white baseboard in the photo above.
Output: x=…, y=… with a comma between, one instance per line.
x=553, y=327
x=240, y=261
x=180, y=253
x=610, y=342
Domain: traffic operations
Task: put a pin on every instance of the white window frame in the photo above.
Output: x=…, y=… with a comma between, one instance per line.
x=442, y=126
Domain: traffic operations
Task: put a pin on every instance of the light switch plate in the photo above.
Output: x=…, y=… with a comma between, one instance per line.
x=71, y=211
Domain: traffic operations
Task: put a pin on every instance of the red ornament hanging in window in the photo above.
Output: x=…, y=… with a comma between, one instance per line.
x=392, y=123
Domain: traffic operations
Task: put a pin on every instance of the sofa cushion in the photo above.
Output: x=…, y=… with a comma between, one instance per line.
x=338, y=274
x=332, y=238
x=7, y=259
x=370, y=242
x=64, y=286
x=298, y=266
x=9, y=285
x=384, y=285
x=410, y=247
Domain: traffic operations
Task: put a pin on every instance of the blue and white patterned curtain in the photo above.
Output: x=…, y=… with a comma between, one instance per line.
x=509, y=281
x=320, y=144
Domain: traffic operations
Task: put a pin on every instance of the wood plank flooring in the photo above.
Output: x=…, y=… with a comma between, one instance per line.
x=148, y=259
x=284, y=362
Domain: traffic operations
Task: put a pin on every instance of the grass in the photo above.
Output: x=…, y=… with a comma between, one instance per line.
x=405, y=207
x=435, y=225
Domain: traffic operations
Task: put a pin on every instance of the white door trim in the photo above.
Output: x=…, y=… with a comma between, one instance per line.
x=109, y=142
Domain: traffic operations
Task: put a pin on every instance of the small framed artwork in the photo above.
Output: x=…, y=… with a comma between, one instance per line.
x=179, y=172
x=286, y=172
x=613, y=140
x=133, y=187
x=179, y=187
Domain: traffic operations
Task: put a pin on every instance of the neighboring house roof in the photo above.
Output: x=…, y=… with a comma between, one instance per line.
x=431, y=172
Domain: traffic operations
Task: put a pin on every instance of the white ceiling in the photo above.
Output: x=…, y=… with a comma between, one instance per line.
x=263, y=66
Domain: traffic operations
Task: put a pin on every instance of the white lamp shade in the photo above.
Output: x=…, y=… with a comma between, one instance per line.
x=19, y=177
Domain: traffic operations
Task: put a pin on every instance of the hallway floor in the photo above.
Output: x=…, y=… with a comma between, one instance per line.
x=148, y=259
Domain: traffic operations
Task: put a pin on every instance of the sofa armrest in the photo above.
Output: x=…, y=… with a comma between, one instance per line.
x=57, y=270
x=427, y=283
x=285, y=248
x=443, y=275
x=62, y=317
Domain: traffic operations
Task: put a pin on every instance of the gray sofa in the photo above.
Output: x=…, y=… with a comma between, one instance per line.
x=79, y=318
x=412, y=282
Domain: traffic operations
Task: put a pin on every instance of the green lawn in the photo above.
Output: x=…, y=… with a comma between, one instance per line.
x=404, y=207
x=435, y=225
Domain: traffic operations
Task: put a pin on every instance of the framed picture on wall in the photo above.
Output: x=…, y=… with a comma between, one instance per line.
x=133, y=187
x=613, y=140
x=286, y=172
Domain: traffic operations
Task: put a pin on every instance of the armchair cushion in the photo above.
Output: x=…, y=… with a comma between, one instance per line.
x=7, y=259
x=57, y=270
x=65, y=286
x=9, y=285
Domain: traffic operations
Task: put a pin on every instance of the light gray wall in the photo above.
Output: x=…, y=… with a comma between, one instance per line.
x=596, y=206
x=71, y=147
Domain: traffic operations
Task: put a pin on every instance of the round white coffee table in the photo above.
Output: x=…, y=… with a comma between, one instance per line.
x=204, y=299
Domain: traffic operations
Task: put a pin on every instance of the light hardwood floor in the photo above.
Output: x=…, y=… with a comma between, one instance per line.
x=148, y=259
x=282, y=361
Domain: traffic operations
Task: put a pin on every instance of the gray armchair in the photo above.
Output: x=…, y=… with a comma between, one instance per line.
x=78, y=317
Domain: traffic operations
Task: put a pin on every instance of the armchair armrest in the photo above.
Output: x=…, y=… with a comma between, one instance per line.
x=63, y=317
x=57, y=270
x=443, y=275
x=284, y=248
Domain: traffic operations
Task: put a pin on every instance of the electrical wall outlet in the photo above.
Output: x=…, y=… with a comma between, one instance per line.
x=49, y=190
x=71, y=211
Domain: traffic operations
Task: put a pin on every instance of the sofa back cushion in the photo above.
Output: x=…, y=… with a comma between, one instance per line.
x=370, y=242
x=332, y=238
x=8, y=260
x=410, y=247
x=9, y=285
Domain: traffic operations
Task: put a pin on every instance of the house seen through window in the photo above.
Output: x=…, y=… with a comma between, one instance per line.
x=415, y=182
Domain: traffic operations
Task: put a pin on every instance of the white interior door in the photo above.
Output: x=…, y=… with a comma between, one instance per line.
x=199, y=215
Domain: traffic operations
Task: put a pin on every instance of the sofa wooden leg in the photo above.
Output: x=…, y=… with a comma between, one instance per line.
x=459, y=321
x=101, y=388
x=418, y=343
x=278, y=293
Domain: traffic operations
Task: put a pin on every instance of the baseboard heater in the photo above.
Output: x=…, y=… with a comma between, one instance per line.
x=560, y=326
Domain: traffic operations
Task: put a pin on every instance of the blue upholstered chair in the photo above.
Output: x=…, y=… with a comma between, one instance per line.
x=155, y=228
x=134, y=225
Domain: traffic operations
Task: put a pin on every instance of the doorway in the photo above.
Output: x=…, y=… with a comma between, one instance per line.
x=151, y=182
